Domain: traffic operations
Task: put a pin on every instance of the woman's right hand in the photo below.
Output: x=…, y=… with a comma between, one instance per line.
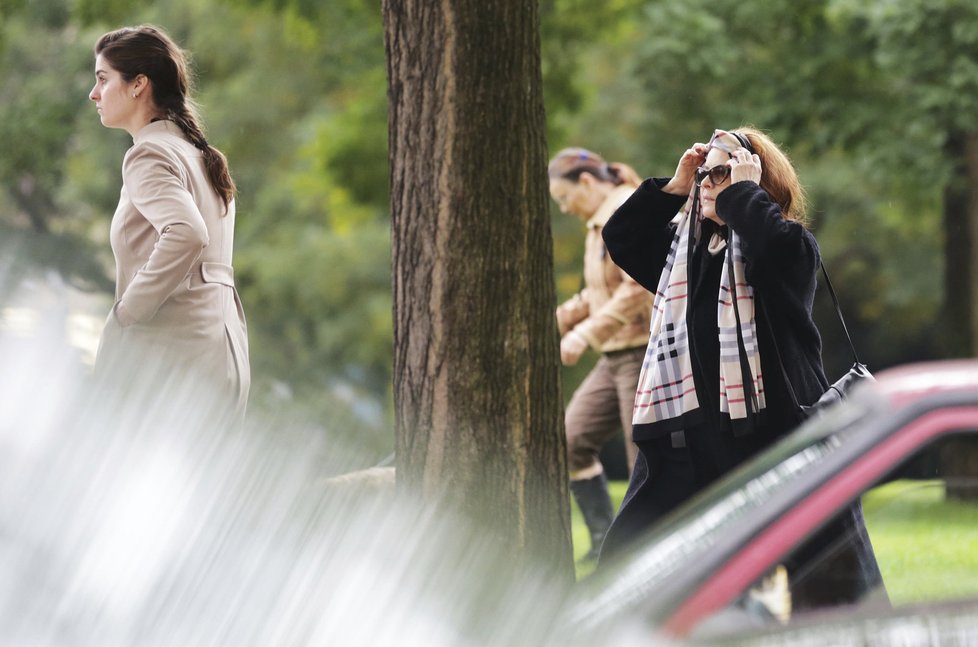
x=692, y=159
x=572, y=346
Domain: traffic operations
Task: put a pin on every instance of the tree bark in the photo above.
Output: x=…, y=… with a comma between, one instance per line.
x=479, y=425
x=959, y=468
x=971, y=269
x=960, y=330
x=960, y=459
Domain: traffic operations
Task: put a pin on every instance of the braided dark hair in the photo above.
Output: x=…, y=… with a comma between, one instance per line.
x=148, y=50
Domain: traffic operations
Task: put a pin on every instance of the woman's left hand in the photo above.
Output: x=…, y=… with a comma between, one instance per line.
x=745, y=166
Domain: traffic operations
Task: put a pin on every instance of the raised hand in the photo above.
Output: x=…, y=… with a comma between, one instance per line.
x=682, y=181
x=745, y=166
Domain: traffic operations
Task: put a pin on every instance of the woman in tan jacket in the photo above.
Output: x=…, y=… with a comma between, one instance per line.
x=177, y=323
x=610, y=315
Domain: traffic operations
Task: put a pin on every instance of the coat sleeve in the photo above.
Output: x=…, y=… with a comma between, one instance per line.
x=639, y=233
x=781, y=258
x=627, y=302
x=778, y=251
x=156, y=189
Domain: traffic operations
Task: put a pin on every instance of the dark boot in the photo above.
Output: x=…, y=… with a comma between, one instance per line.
x=595, y=504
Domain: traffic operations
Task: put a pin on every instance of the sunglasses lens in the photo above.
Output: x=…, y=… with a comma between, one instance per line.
x=719, y=173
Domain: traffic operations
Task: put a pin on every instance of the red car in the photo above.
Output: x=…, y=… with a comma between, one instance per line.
x=715, y=569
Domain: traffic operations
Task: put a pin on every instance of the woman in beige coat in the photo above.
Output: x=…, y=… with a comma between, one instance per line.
x=610, y=315
x=177, y=323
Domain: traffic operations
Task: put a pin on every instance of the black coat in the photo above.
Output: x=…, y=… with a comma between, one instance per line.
x=781, y=260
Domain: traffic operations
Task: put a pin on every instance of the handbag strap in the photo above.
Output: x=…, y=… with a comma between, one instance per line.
x=774, y=339
x=777, y=351
x=838, y=310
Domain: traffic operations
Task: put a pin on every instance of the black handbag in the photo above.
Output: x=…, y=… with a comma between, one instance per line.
x=841, y=388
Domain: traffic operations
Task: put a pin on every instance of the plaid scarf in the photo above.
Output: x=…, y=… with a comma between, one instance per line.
x=666, y=388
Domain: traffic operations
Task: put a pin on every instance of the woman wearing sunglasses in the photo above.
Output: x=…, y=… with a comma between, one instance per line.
x=728, y=227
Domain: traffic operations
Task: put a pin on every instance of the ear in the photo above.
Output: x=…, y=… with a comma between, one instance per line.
x=140, y=83
x=586, y=179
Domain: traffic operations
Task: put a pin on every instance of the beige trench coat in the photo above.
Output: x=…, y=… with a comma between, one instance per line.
x=612, y=312
x=177, y=318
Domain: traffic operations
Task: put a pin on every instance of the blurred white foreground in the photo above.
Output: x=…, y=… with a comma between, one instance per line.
x=123, y=521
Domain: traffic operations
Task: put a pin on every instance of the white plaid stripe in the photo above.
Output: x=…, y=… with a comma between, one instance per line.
x=732, y=400
x=665, y=387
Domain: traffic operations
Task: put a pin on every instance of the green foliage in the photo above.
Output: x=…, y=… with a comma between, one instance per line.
x=38, y=107
x=109, y=12
x=352, y=154
x=49, y=13
x=927, y=53
x=568, y=30
x=882, y=257
x=47, y=70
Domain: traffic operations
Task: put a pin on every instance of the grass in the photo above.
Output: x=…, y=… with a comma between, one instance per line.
x=927, y=547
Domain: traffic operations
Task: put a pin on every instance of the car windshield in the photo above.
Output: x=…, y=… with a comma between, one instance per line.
x=680, y=540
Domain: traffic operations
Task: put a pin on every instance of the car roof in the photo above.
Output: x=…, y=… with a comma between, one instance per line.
x=910, y=383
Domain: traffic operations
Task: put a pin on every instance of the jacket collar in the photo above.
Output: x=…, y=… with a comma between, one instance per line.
x=607, y=209
x=159, y=127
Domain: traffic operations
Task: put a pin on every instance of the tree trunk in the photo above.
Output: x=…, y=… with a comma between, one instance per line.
x=960, y=458
x=479, y=424
x=960, y=330
x=971, y=269
x=959, y=468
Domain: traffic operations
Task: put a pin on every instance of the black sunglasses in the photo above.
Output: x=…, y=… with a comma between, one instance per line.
x=718, y=174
